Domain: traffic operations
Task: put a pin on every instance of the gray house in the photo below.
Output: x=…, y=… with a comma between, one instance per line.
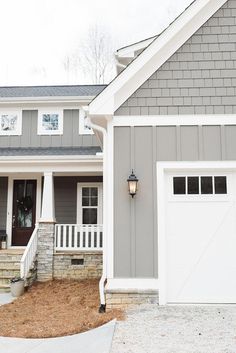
x=170, y=117
x=50, y=173
x=167, y=124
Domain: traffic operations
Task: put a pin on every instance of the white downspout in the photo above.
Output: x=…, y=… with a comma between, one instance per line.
x=89, y=123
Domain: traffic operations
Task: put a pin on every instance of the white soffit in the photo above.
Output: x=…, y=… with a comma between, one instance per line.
x=154, y=56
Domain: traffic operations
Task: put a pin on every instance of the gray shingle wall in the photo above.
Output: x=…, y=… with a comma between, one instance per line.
x=200, y=78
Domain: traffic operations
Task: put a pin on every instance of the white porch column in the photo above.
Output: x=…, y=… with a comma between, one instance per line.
x=46, y=232
x=48, y=202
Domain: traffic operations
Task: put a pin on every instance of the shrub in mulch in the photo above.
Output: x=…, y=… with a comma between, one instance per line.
x=55, y=308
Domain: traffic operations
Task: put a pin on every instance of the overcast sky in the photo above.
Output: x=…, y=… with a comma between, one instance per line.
x=37, y=35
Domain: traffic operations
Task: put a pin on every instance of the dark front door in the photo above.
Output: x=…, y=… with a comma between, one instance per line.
x=23, y=215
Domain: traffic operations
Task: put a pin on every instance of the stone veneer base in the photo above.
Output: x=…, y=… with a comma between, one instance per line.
x=64, y=269
x=127, y=299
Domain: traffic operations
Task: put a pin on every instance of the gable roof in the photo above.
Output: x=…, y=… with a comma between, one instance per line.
x=50, y=91
x=153, y=57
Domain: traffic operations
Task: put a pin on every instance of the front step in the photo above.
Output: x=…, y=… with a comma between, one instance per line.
x=9, y=267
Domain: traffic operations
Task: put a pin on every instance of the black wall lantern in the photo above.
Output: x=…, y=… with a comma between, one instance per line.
x=132, y=184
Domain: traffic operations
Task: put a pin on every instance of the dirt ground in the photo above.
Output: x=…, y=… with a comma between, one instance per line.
x=55, y=308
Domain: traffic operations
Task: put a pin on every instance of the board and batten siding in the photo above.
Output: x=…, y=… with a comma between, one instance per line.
x=66, y=196
x=200, y=78
x=30, y=138
x=3, y=202
x=135, y=220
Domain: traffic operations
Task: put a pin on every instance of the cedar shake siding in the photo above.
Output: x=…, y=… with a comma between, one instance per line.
x=200, y=78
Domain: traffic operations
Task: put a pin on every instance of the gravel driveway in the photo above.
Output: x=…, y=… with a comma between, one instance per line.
x=177, y=329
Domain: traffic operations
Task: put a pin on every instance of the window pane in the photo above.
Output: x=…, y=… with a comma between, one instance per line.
x=85, y=191
x=94, y=191
x=89, y=216
x=206, y=185
x=179, y=185
x=85, y=201
x=220, y=185
x=94, y=201
x=193, y=185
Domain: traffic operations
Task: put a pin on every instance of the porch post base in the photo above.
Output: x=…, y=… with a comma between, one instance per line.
x=45, y=251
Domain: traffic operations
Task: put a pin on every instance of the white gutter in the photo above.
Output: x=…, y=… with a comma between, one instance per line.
x=105, y=212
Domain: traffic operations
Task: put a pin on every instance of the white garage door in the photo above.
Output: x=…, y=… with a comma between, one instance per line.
x=201, y=237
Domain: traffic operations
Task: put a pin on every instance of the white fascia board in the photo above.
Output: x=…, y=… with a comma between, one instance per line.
x=49, y=99
x=130, y=50
x=154, y=56
x=59, y=166
x=53, y=159
x=175, y=120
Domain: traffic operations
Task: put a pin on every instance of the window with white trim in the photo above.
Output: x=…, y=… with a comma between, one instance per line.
x=89, y=203
x=50, y=121
x=10, y=122
x=200, y=185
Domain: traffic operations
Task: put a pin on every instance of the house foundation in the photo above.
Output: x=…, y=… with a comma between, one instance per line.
x=129, y=298
x=79, y=265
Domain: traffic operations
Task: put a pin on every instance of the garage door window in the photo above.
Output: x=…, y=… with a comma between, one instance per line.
x=195, y=185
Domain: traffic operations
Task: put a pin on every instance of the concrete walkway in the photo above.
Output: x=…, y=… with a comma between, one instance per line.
x=6, y=298
x=177, y=329
x=95, y=341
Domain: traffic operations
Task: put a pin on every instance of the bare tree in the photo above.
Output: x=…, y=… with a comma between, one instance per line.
x=96, y=56
x=93, y=60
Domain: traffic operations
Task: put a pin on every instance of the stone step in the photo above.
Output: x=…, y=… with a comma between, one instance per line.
x=14, y=272
x=9, y=265
x=9, y=257
x=4, y=288
x=6, y=279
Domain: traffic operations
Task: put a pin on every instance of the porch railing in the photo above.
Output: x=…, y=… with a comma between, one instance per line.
x=83, y=237
x=29, y=254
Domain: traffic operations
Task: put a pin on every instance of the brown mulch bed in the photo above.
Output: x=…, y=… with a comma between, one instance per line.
x=55, y=308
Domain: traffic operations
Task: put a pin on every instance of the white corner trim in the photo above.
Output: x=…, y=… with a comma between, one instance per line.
x=110, y=200
x=42, y=130
x=162, y=168
x=138, y=284
x=155, y=55
x=175, y=120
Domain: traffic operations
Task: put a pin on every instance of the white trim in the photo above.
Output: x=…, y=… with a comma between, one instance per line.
x=11, y=179
x=154, y=56
x=129, y=50
x=48, y=199
x=79, y=201
x=110, y=200
x=136, y=284
x=173, y=120
x=49, y=111
x=162, y=168
x=42, y=100
x=24, y=165
x=83, y=129
x=18, y=130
